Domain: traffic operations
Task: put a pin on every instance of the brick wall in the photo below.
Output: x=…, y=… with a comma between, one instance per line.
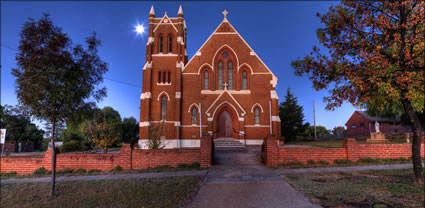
x=127, y=158
x=351, y=150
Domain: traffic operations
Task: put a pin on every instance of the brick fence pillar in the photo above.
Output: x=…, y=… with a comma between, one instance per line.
x=126, y=157
x=206, y=151
x=352, y=148
x=271, y=151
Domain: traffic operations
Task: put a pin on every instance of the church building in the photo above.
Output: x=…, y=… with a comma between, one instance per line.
x=225, y=90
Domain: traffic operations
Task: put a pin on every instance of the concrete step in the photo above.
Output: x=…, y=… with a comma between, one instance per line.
x=229, y=145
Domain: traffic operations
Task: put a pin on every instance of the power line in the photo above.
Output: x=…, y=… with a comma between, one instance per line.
x=121, y=82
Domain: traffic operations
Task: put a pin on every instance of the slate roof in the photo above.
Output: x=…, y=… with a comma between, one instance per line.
x=377, y=118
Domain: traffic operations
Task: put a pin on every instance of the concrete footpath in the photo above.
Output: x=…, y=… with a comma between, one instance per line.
x=240, y=180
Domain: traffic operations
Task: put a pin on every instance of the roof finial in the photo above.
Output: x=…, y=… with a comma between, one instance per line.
x=225, y=14
x=180, y=12
x=165, y=14
x=152, y=12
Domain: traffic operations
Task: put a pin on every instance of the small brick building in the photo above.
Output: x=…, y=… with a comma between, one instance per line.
x=224, y=90
x=361, y=125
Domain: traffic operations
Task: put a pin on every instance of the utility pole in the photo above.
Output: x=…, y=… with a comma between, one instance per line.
x=314, y=112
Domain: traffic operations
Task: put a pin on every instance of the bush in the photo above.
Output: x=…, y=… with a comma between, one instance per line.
x=40, y=171
x=9, y=174
x=342, y=161
x=80, y=171
x=182, y=165
x=295, y=163
x=94, y=171
x=117, y=169
x=64, y=171
x=323, y=162
x=311, y=162
x=367, y=160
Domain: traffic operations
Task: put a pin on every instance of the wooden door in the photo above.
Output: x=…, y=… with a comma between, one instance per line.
x=224, y=125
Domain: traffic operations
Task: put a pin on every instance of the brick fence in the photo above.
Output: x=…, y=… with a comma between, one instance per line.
x=273, y=154
x=127, y=158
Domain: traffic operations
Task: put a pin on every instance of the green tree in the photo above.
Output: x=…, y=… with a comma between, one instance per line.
x=375, y=50
x=105, y=128
x=56, y=79
x=130, y=130
x=291, y=117
x=339, y=131
x=19, y=126
x=73, y=139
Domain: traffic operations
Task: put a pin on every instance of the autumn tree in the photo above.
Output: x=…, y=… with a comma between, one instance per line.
x=375, y=51
x=56, y=79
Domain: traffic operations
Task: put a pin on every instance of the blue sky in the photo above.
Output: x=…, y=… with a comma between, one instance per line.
x=279, y=32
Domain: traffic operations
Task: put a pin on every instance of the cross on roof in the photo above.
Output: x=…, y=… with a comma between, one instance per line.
x=225, y=13
x=225, y=84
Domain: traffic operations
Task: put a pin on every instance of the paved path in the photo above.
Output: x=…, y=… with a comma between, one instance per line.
x=344, y=169
x=108, y=177
x=240, y=180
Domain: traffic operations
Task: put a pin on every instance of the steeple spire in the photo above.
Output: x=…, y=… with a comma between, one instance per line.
x=152, y=12
x=180, y=12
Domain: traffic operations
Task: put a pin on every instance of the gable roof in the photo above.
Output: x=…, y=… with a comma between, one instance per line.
x=377, y=118
x=227, y=28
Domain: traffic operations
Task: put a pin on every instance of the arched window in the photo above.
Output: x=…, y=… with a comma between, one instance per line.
x=230, y=75
x=170, y=44
x=220, y=75
x=257, y=116
x=244, y=80
x=205, y=80
x=160, y=44
x=194, y=115
x=164, y=107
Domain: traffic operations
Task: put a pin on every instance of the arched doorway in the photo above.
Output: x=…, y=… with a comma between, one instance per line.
x=224, y=125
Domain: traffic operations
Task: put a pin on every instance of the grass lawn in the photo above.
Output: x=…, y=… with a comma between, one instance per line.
x=339, y=142
x=163, y=192
x=384, y=188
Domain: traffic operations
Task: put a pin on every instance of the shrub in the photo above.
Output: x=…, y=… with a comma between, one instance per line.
x=366, y=160
x=40, y=171
x=294, y=163
x=182, y=165
x=195, y=165
x=323, y=162
x=311, y=162
x=80, y=171
x=94, y=171
x=9, y=174
x=117, y=169
x=342, y=161
x=64, y=171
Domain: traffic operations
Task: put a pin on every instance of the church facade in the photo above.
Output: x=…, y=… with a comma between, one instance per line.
x=224, y=90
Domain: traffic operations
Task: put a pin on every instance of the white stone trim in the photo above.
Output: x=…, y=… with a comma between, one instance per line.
x=202, y=67
x=273, y=94
x=165, y=22
x=257, y=104
x=190, y=107
x=225, y=33
x=151, y=40
x=165, y=54
x=241, y=132
x=143, y=124
x=231, y=49
x=237, y=103
x=145, y=95
x=273, y=82
x=178, y=95
x=251, y=141
x=179, y=65
x=163, y=83
x=257, y=126
x=198, y=54
x=163, y=121
x=210, y=119
x=252, y=53
x=237, y=92
x=180, y=39
x=177, y=123
x=210, y=132
x=275, y=118
x=226, y=102
x=241, y=119
x=248, y=66
x=147, y=66
x=163, y=92
x=193, y=125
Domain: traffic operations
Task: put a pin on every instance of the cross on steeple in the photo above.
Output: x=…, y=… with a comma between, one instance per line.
x=225, y=14
x=225, y=84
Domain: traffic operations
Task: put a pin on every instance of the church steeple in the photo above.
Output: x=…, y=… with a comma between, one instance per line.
x=180, y=12
x=152, y=12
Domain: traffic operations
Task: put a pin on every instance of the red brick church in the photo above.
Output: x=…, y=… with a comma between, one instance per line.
x=224, y=90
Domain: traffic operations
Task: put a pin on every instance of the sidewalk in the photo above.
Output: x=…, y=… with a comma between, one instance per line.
x=107, y=177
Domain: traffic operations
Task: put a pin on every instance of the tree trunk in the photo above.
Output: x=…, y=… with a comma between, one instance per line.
x=52, y=141
x=416, y=142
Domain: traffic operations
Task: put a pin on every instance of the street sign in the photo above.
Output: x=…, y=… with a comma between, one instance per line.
x=2, y=136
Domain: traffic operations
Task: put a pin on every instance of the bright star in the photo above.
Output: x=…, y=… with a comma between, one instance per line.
x=140, y=29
